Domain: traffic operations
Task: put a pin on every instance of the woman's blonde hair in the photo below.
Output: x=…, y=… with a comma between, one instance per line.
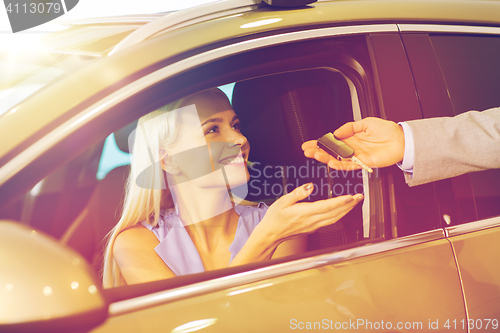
x=146, y=187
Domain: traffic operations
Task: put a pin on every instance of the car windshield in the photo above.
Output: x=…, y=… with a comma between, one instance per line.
x=24, y=74
x=26, y=70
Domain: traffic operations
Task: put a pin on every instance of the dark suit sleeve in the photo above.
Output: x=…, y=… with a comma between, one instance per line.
x=450, y=146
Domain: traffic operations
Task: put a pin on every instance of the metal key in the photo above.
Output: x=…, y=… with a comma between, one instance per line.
x=340, y=150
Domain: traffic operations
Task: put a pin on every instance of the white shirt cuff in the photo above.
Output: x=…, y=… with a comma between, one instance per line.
x=409, y=154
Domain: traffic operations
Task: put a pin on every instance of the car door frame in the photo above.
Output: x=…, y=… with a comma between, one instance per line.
x=474, y=235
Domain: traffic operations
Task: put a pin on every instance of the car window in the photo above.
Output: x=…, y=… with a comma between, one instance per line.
x=59, y=197
x=472, y=74
x=112, y=157
x=284, y=95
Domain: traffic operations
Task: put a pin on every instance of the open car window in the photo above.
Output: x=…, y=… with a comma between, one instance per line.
x=284, y=96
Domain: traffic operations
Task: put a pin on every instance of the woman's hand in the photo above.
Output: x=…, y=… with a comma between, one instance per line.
x=376, y=142
x=287, y=217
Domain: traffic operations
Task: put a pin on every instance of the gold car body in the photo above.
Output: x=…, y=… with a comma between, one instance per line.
x=414, y=283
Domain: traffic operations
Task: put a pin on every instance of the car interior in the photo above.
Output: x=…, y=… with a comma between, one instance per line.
x=79, y=209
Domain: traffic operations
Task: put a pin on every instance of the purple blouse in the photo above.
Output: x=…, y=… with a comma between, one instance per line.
x=177, y=249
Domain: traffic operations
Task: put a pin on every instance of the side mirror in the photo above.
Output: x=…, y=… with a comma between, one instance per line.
x=45, y=287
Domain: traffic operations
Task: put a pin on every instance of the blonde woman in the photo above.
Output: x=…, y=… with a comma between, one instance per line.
x=180, y=215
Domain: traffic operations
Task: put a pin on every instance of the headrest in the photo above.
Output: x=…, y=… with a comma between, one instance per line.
x=280, y=112
x=121, y=136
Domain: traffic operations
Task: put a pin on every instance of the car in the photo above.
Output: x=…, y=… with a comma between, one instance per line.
x=406, y=259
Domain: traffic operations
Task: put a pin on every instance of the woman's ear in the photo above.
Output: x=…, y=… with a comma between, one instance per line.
x=168, y=164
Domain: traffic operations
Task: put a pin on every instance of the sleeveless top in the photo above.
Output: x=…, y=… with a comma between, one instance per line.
x=177, y=249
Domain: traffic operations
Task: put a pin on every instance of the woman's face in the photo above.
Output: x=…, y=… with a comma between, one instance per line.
x=210, y=149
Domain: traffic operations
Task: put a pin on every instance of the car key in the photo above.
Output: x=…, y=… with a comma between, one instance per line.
x=340, y=150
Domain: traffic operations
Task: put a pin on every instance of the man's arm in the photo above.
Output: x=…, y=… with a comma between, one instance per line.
x=451, y=146
x=442, y=147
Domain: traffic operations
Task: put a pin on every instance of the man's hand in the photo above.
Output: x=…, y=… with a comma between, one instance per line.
x=377, y=142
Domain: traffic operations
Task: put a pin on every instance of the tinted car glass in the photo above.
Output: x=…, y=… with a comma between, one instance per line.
x=411, y=210
x=471, y=70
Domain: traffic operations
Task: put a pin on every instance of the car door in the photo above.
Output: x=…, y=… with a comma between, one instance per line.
x=387, y=266
x=394, y=270
x=465, y=77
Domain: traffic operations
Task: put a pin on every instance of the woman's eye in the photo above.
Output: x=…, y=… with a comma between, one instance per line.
x=213, y=130
x=237, y=126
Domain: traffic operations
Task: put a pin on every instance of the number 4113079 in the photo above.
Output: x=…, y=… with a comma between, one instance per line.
x=472, y=324
x=33, y=8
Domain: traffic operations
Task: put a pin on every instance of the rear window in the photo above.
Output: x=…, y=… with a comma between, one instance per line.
x=471, y=71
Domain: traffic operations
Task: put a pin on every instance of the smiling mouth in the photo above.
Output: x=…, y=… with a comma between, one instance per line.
x=233, y=160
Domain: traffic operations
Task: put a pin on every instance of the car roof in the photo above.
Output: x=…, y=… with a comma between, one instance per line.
x=363, y=10
x=43, y=111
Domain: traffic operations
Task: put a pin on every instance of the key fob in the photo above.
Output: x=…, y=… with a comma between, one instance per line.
x=335, y=147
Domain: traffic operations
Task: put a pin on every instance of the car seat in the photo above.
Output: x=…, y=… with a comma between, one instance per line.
x=88, y=231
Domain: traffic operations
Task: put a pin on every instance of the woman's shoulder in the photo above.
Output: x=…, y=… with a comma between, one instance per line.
x=138, y=230
x=134, y=252
x=132, y=239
